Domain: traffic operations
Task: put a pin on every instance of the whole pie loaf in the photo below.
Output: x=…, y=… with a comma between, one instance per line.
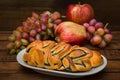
x=61, y=56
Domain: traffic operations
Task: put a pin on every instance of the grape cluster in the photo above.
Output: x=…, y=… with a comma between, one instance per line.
x=97, y=33
x=38, y=26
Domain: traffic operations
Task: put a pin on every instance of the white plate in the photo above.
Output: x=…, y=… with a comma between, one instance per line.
x=60, y=73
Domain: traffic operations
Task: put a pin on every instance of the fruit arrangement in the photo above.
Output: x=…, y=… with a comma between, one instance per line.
x=97, y=33
x=39, y=26
x=79, y=27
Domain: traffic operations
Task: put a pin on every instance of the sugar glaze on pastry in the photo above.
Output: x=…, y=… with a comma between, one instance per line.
x=61, y=56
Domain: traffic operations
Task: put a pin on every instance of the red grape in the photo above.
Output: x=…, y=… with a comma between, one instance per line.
x=26, y=28
x=37, y=23
x=99, y=25
x=38, y=26
x=96, y=40
x=86, y=25
x=107, y=31
x=108, y=37
x=57, y=21
x=18, y=36
x=54, y=26
x=92, y=22
x=25, y=35
x=35, y=15
x=91, y=29
x=102, y=44
x=38, y=37
x=38, y=30
x=44, y=18
x=32, y=33
x=31, y=39
x=89, y=36
x=43, y=27
x=54, y=17
x=29, y=20
x=97, y=33
x=57, y=14
x=19, y=28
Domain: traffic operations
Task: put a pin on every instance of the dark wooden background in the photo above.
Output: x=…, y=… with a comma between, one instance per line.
x=14, y=12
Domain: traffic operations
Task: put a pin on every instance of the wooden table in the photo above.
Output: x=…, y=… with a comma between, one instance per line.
x=11, y=70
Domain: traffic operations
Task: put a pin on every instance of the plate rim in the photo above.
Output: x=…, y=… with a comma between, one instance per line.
x=61, y=73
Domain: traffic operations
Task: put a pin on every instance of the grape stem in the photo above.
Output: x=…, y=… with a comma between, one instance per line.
x=106, y=25
x=63, y=16
x=79, y=3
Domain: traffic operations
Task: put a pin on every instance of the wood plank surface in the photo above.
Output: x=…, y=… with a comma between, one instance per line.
x=13, y=13
x=37, y=76
x=15, y=67
x=16, y=72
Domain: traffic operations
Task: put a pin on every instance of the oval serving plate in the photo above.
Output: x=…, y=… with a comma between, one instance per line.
x=60, y=73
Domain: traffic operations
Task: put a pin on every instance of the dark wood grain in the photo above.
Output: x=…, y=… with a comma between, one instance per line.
x=14, y=67
x=16, y=71
x=13, y=13
x=37, y=76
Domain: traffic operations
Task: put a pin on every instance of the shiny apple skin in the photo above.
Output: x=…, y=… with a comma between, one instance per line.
x=71, y=32
x=79, y=13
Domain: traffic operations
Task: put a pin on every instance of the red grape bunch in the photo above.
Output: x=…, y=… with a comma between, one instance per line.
x=38, y=26
x=97, y=33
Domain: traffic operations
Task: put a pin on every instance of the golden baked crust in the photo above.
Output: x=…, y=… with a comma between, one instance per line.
x=61, y=56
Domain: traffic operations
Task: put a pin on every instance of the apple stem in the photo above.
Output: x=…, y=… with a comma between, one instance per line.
x=106, y=25
x=79, y=2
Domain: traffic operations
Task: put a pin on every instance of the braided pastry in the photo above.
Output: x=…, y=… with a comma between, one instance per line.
x=61, y=56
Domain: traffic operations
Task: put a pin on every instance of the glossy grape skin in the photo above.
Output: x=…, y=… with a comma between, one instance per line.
x=43, y=27
x=91, y=29
x=100, y=31
x=32, y=33
x=38, y=26
x=96, y=40
x=108, y=38
x=92, y=22
x=107, y=31
x=99, y=25
x=102, y=44
x=86, y=25
x=25, y=35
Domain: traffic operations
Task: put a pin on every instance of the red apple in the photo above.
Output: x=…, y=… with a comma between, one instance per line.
x=79, y=13
x=70, y=32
